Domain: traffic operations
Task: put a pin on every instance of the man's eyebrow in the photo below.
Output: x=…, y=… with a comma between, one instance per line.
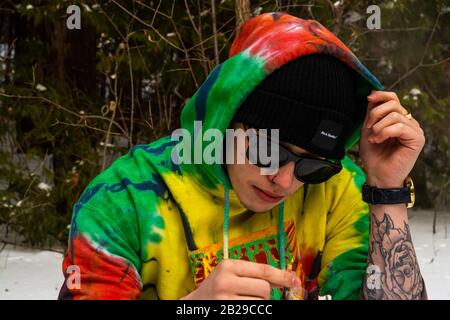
x=300, y=153
x=306, y=153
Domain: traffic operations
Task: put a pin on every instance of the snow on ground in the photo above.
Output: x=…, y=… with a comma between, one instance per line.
x=35, y=274
x=433, y=251
x=29, y=274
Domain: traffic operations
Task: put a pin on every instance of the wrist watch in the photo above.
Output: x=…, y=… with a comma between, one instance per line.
x=374, y=195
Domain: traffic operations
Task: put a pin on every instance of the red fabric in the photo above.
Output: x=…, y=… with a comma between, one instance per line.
x=102, y=276
x=280, y=37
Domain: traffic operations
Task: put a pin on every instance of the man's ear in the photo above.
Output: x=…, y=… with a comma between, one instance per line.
x=236, y=125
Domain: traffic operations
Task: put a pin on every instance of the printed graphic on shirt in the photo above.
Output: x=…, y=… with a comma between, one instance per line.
x=260, y=247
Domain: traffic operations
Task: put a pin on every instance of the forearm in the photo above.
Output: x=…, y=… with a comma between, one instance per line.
x=393, y=271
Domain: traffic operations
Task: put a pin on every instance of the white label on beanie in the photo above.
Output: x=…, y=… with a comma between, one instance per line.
x=327, y=134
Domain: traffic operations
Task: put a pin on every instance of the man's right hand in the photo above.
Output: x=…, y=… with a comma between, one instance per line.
x=243, y=280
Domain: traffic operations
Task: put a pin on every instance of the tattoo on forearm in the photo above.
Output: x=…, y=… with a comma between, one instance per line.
x=393, y=272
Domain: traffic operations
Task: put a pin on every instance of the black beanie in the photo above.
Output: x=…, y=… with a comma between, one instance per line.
x=311, y=100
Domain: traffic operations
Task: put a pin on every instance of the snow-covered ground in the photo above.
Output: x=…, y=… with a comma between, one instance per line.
x=35, y=274
x=433, y=251
x=29, y=274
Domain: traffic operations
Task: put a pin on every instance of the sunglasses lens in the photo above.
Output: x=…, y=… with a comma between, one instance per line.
x=313, y=171
x=283, y=156
x=306, y=170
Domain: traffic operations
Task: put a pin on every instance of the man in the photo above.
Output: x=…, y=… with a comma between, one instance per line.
x=150, y=228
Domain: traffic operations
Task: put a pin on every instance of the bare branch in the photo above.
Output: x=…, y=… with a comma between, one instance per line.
x=420, y=64
x=216, y=46
x=57, y=105
x=148, y=25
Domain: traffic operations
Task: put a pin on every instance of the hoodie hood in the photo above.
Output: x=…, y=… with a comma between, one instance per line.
x=264, y=44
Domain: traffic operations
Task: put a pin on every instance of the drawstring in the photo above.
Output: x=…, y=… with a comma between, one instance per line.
x=226, y=220
x=281, y=236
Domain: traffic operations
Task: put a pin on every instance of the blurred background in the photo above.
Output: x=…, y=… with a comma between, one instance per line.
x=73, y=100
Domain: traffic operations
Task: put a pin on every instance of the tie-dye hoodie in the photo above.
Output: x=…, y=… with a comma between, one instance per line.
x=147, y=228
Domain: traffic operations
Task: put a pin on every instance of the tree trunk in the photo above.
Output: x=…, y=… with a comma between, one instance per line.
x=81, y=59
x=243, y=13
x=59, y=45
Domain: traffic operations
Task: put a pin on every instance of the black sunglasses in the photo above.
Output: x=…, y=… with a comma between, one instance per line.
x=308, y=169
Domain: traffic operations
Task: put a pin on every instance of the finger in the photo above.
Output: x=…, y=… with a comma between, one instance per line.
x=236, y=297
x=382, y=110
x=247, y=298
x=377, y=97
x=390, y=119
x=275, y=276
x=370, y=105
x=406, y=135
x=382, y=96
x=253, y=287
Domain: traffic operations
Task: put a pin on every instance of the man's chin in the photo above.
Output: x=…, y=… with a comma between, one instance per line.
x=259, y=207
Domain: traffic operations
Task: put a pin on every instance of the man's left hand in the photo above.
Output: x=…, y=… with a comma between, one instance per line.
x=390, y=142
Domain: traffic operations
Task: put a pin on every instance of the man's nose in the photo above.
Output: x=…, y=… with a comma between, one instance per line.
x=285, y=176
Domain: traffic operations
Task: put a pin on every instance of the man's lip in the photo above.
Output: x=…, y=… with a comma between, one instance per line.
x=270, y=195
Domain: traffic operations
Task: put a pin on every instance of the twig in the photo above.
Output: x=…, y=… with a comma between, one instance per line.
x=148, y=25
x=350, y=43
x=116, y=105
x=130, y=67
x=24, y=211
x=216, y=45
x=430, y=92
x=40, y=98
x=420, y=64
x=82, y=126
x=57, y=105
x=435, y=63
x=207, y=39
x=198, y=31
x=180, y=38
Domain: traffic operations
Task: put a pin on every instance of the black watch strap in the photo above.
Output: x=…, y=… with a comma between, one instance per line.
x=375, y=195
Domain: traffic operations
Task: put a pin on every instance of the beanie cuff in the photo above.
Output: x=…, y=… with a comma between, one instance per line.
x=319, y=130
